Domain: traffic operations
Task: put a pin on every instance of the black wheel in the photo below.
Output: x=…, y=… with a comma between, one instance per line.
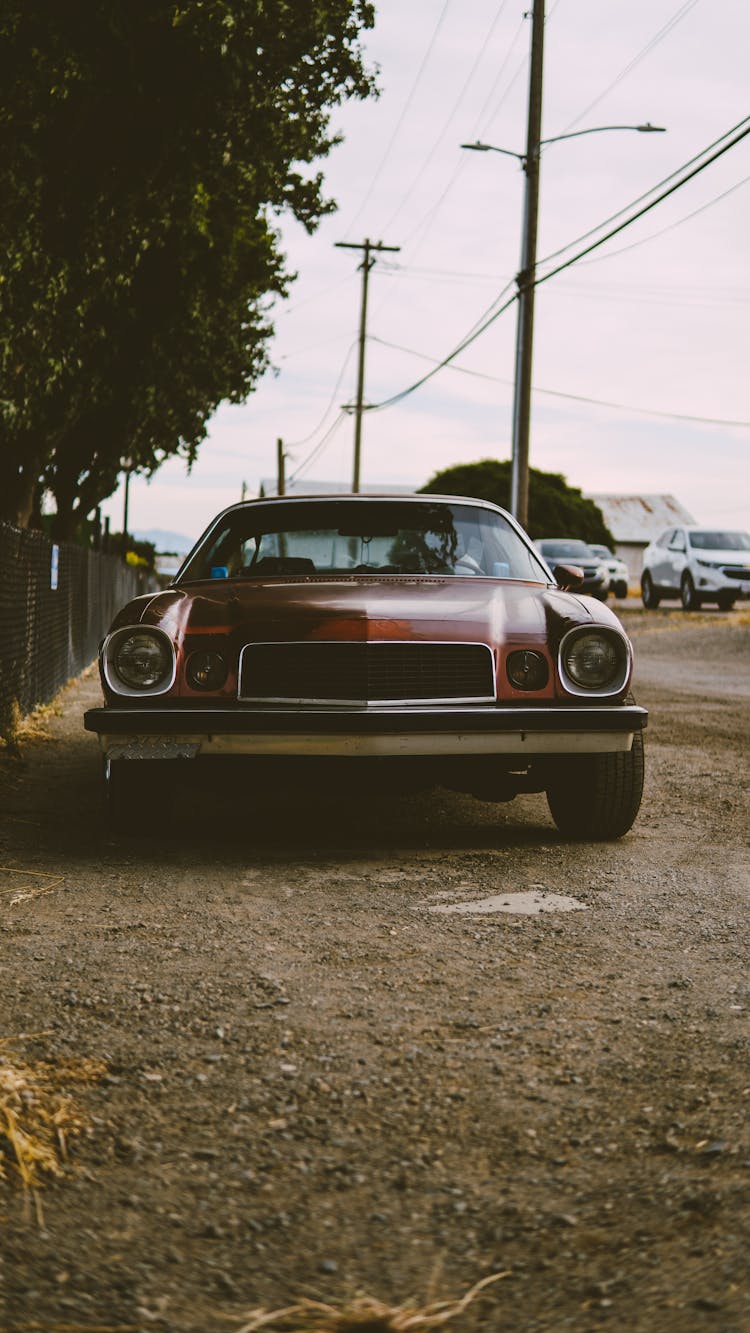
x=648, y=592
x=598, y=796
x=688, y=596
x=726, y=601
x=621, y=589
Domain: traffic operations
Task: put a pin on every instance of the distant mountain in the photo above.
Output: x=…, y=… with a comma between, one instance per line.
x=166, y=541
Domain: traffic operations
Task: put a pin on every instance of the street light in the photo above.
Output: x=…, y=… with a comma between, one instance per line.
x=519, y=495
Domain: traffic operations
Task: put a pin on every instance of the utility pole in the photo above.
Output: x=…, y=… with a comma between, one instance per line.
x=125, y=507
x=367, y=263
x=519, y=493
x=280, y=468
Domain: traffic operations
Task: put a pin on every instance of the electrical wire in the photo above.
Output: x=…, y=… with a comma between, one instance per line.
x=297, y=444
x=634, y=245
x=404, y=112
x=451, y=116
x=485, y=323
x=427, y=221
x=576, y=397
x=317, y=451
x=626, y=207
x=315, y=296
x=446, y=361
x=738, y=137
x=658, y=37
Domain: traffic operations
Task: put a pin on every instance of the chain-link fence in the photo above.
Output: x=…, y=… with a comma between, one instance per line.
x=55, y=604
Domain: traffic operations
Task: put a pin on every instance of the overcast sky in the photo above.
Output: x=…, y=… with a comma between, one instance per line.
x=653, y=325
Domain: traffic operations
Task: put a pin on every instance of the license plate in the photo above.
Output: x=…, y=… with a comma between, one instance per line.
x=151, y=747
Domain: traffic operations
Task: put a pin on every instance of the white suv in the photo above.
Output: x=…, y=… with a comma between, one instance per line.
x=697, y=565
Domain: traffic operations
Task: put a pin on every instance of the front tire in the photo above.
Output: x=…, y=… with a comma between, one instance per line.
x=725, y=601
x=621, y=589
x=648, y=592
x=597, y=797
x=688, y=596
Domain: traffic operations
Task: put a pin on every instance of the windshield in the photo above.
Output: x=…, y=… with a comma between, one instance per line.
x=346, y=537
x=720, y=541
x=565, y=550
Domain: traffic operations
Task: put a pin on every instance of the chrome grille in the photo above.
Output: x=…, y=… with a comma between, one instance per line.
x=362, y=673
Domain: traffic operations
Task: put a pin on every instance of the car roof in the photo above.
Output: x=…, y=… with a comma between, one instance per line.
x=359, y=498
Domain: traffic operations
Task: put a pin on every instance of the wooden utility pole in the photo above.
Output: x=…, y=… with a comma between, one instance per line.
x=369, y=247
x=280, y=468
x=519, y=493
x=125, y=507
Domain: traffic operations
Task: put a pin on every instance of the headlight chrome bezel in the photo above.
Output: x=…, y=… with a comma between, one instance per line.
x=113, y=644
x=620, y=679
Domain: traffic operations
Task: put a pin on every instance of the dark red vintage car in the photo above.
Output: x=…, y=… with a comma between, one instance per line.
x=423, y=636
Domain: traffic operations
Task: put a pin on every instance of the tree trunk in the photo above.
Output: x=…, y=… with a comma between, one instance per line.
x=18, y=487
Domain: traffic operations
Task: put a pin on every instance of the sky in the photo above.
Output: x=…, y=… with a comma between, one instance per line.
x=641, y=347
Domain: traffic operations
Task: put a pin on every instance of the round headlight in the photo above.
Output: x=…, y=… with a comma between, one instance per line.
x=594, y=660
x=206, y=671
x=142, y=660
x=527, y=670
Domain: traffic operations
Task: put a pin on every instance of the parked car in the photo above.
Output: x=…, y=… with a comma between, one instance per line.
x=697, y=565
x=616, y=568
x=422, y=637
x=570, y=550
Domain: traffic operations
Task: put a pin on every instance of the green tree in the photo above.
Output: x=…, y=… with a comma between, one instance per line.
x=555, y=508
x=147, y=151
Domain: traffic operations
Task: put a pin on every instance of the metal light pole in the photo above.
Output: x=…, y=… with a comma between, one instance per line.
x=525, y=279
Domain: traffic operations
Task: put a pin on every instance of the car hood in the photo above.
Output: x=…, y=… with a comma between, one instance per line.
x=457, y=609
x=719, y=557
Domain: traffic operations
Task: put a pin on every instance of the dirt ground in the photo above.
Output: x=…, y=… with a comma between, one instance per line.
x=318, y=1081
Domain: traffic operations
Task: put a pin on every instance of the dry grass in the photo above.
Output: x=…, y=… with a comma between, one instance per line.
x=365, y=1315
x=32, y=883
x=38, y=1117
x=15, y=728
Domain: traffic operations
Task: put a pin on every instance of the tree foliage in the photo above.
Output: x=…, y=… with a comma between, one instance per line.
x=555, y=508
x=147, y=151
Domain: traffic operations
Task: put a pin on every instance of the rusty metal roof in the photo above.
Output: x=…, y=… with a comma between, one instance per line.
x=640, y=518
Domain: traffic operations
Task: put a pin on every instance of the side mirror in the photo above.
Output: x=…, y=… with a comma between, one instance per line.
x=569, y=577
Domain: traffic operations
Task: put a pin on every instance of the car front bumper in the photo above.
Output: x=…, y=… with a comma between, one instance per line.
x=716, y=581
x=186, y=733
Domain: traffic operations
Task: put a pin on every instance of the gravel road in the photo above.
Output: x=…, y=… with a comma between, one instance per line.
x=318, y=1077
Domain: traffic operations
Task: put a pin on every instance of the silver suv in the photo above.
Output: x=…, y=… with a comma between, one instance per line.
x=697, y=565
x=569, y=550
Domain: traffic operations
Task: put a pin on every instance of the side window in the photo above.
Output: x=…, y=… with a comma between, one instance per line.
x=678, y=541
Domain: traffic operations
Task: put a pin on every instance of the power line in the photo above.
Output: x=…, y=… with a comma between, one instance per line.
x=658, y=37
x=317, y=451
x=626, y=207
x=402, y=117
x=297, y=444
x=428, y=220
x=671, y=227
x=647, y=208
x=576, y=397
x=449, y=121
x=537, y=281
